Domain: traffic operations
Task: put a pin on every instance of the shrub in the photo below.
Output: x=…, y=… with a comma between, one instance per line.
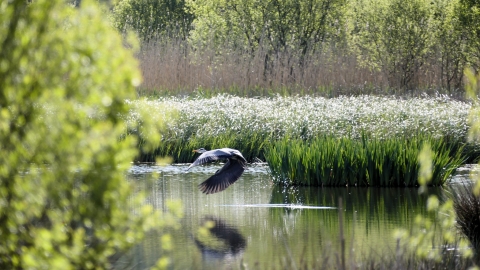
x=394, y=36
x=64, y=78
x=271, y=29
x=152, y=19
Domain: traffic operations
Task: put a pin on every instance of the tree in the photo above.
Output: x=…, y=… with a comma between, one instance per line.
x=450, y=43
x=468, y=12
x=275, y=27
x=64, y=79
x=393, y=36
x=153, y=19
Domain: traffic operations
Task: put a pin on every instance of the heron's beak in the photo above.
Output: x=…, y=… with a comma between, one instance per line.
x=196, y=151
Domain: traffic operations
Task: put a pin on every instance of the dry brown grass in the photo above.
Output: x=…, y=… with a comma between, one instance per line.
x=172, y=67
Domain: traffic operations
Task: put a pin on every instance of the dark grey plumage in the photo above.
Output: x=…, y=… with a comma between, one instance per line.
x=227, y=175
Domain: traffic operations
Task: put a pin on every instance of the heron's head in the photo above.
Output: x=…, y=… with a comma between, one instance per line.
x=201, y=150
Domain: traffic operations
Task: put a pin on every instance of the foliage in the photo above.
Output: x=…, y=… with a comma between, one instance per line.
x=468, y=13
x=329, y=161
x=64, y=202
x=269, y=28
x=467, y=206
x=395, y=36
x=153, y=19
x=393, y=45
x=422, y=239
x=449, y=43
x=436, y=228
x=472, y=88
x=311, y=45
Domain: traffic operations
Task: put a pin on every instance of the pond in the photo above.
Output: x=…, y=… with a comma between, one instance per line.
x=255, y=224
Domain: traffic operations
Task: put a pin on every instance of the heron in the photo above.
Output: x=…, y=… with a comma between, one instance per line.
x=227, y=175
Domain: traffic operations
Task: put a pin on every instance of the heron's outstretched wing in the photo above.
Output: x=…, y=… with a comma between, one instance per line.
x=211, y=156
x=227, y=175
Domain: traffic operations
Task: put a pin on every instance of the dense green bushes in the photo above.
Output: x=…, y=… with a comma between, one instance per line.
x=277, y=27
x=64, y=199
x=152, y=19
x=395, y=36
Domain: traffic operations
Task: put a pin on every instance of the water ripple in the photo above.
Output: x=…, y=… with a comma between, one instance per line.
x=289, y=206
x=181, y=168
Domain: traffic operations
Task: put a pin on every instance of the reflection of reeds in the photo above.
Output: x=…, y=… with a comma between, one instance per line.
x=341, y=236
x=385, y=206
x=329, y=161
x=467, y=209
x=348, y=256
x=404, y=260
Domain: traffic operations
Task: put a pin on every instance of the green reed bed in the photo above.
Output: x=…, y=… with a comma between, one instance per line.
x=249, y=124
x=330, y=161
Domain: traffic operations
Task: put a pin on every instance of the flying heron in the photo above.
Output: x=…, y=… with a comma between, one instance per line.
x=227, y=175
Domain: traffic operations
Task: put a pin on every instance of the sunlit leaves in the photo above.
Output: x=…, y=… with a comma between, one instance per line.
x=472, y=88
x=431, y=231
x=425, y=158
x=468, y=13
x=64, y=79
x=433, y=203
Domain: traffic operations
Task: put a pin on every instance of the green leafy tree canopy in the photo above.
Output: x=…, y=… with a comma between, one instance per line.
x=279, y=25
x=393, y=36
x=153, y=19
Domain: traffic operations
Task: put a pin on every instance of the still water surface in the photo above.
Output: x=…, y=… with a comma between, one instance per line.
x=256, y=225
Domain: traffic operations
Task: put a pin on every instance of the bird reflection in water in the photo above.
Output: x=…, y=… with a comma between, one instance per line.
x=219, y=242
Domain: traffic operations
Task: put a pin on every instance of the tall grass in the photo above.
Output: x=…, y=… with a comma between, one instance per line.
x=173, y=67
x=330, y=161
x=250, y=124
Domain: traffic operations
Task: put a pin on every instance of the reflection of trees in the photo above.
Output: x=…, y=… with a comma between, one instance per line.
x=370, y=218
x=218, y=240
x=372, y=202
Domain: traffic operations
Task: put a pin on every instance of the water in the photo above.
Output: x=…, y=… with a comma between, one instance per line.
x=255, y=224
